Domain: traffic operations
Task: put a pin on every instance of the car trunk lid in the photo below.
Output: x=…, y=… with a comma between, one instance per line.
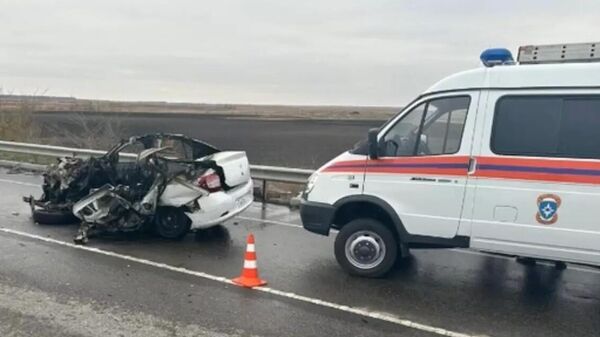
x=235, y=166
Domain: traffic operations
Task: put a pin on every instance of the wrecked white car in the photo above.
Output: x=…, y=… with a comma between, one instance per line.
x=164, y=182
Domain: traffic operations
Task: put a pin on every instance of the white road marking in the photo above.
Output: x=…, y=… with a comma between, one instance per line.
x=280, y=223
x=361, y=312
x=272, y=212
x=282, y=211
x=19, y=183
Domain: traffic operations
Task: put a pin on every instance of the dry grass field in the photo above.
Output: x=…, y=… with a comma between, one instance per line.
x=65, y=104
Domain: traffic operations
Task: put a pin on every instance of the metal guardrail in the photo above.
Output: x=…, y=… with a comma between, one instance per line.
x=281, y=174
x=260, y=172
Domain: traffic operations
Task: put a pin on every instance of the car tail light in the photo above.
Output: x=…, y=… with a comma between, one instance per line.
x=210, y=182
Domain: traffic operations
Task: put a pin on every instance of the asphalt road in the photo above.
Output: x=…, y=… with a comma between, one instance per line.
x=284, y=142
x=145, y=286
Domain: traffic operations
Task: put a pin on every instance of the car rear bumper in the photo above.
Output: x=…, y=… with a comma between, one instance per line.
x=219, y=207
x=316, y=216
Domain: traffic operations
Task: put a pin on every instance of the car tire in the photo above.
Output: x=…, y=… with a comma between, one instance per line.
x=53, y=217
x=171, y=223
x=365, y=247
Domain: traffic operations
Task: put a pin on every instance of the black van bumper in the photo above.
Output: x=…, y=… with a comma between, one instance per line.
x=316, y=216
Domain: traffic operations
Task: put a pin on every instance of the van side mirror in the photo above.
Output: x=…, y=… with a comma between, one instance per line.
x=373, y=144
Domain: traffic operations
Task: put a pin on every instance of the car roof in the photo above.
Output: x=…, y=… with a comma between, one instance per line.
x=557, y=75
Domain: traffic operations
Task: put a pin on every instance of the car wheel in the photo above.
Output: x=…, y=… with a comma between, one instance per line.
x=171, y=223
x=53, y=217
x=365, y=247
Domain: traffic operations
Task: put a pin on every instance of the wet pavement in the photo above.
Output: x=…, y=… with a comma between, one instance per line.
x=462, y=291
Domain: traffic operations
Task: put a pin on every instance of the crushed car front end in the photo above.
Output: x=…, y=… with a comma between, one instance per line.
x=175, y=184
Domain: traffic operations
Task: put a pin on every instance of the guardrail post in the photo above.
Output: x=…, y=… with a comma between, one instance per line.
x=264, y=192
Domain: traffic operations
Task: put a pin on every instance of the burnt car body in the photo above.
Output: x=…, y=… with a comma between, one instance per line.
x=166, y=182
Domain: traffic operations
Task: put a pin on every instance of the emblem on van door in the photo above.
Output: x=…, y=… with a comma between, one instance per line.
x=548, y=205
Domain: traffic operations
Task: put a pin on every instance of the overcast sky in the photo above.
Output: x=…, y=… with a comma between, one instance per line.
x=341, y=52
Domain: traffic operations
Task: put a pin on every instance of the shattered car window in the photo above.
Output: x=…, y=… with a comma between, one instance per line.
x=135, y=148
x=176, y=149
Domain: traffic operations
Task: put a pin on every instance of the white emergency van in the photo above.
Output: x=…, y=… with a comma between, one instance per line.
x=504, y=158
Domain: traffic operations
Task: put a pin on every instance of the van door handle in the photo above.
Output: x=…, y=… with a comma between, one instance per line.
x=472, y=165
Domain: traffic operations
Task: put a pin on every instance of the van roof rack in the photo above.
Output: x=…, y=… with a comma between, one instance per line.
x=559, y=53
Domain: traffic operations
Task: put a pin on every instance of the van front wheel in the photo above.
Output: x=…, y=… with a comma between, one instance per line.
x=365, y=247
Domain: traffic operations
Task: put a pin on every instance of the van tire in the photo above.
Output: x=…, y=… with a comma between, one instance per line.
x=365, y=247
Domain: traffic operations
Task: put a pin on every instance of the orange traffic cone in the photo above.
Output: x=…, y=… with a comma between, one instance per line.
x=249, y=277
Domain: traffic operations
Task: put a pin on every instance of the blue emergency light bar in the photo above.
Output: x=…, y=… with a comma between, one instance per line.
x=496, y=56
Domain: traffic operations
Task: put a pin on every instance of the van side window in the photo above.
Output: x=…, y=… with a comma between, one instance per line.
x=581, y=128
x=547, y=126
x=432, y=128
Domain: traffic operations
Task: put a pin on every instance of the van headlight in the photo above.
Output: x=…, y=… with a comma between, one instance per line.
x=310, y=184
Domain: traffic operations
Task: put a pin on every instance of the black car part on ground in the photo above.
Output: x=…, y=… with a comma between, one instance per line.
x=72, y=179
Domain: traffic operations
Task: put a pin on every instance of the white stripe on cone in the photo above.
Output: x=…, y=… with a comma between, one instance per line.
x=249, y=264
x=251, y=248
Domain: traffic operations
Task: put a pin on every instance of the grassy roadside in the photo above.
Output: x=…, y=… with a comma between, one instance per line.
x=75, y=105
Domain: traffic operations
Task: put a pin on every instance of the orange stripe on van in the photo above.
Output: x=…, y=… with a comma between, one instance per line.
x=528, y=169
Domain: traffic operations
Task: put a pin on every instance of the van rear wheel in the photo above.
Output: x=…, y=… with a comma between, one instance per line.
x=365, y=247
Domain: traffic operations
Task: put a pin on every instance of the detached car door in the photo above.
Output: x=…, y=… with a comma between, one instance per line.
x=423, y=162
